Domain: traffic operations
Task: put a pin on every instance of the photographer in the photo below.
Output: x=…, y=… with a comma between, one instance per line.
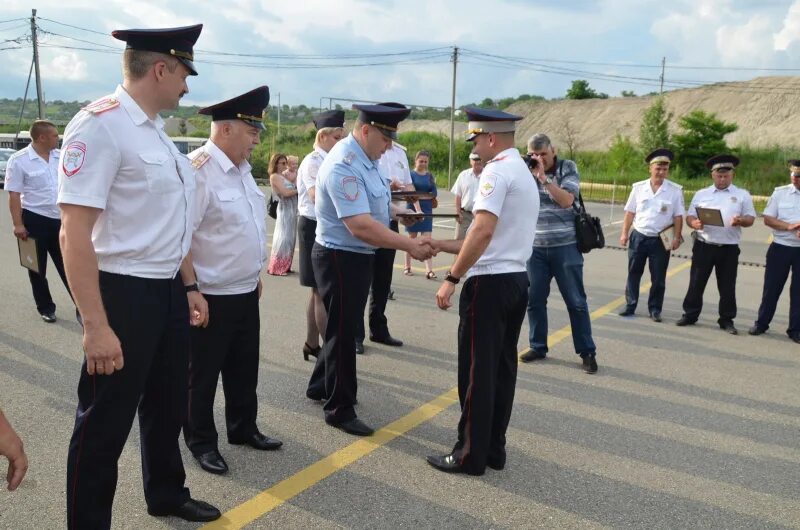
x=555, y=254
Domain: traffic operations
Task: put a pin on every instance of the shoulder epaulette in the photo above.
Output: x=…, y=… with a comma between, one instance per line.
x=639, y=183
x=401, y=146
x=101, y=105
x=675, y=184
x=201, y=158
x=497, y=159
x=315, y=155
x=785, y=186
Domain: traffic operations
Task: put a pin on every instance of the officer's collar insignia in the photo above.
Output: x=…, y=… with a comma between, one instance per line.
x=101, y=105
x=349, y=157
x=200, y=159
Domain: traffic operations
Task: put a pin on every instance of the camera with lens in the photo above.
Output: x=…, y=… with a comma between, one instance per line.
x=530, y=161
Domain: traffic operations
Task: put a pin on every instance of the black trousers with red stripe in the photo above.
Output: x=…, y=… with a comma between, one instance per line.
x=343, y=279
x=151, y=319
x=491, y=310
x=227, y=346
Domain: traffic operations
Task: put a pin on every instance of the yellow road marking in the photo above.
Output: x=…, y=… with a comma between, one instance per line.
x=290, y=487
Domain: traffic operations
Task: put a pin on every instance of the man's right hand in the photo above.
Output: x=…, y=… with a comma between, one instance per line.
x=103, y=350
x=623, y=240
x=21, y=232
x=697, y=224
x=198, y=309
x=11, y=447
x=421, y=249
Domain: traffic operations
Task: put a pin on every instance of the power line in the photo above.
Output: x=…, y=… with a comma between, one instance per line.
x=47, y=32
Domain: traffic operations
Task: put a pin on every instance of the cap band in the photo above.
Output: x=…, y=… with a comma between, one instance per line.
x=722, y=165
x=383, y=126
x=182, y=55
x=659, y=160
x=247, y=117
x=480, y=127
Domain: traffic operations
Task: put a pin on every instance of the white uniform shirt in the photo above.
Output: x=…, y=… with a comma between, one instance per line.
x=229, y=242
x=307, y=179
x=35, y=180
x=654, y=211
x=119, y=161
x=784, y=205
x=467, y=187
x=393, y=165
x=731, y=202
x=507, y=190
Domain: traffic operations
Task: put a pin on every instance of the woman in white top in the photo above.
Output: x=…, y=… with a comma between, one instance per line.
x=285, y=234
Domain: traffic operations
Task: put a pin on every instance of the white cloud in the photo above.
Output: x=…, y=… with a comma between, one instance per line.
x=65, y=67
x=791, y=28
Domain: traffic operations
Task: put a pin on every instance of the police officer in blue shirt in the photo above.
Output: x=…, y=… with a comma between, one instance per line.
x=353, y=210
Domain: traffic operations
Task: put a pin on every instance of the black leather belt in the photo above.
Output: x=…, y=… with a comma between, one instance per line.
x=716, y=244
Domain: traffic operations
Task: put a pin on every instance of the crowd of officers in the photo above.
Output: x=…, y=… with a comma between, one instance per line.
x=162, y=255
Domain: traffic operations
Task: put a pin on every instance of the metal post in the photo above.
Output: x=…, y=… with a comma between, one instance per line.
x=39, y=95
x=279, y=115
x=452, y=118
x=22, y=110
x=663, y=64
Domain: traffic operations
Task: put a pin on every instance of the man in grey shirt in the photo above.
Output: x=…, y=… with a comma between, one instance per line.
x=556, y=254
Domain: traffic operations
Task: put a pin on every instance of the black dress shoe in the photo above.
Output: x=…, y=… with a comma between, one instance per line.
x=627, y=312
x=755, y=330
x=359, y=347
x=259, y=441
x=192, y=510
x=391, y=295
x=655, y=316
x=355, y=427
x=496, y=463
x=449, y=464
x=388, y=340
x=795, y=338
x=212, y=462
x=48, y=317
x=308, y=351
x=530, y=355
x=729, y=327
x=685, y=321
x=589, y=364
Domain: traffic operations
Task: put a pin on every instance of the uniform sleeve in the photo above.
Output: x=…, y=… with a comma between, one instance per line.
x=89, y=164
x=747, y=205
x=405, y=176
x=630, y=206
x=677, y=203
x=772, y=205
x=693, y=205
x=570, y=178
x=15, y=176
x=492, y=189
x=456, y=189
x=201, y=199
x=310, y=175
x=348, y=192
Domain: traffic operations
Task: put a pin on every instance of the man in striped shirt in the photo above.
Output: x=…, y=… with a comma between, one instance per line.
x=555, y=254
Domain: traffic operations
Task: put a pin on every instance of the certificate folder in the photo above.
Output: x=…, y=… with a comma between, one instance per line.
x=416, y=195
x=28, y=254
x=710, y=216
x=421, y=215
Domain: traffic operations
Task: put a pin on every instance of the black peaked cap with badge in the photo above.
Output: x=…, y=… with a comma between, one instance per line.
x=249, y=107
x=722, y=162
x=659, y=156
x=178, y=42
x=384, y=116
x=794, y=165
x=489, y=121
x=329, y=118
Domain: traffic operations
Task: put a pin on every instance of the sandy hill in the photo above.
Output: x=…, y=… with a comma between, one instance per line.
x=762, y=107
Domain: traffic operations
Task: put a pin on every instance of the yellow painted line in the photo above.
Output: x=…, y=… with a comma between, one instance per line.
x=290, y=487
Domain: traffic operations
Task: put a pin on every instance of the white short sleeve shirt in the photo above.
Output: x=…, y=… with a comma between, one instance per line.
x=466, y=186
x=36, y=180
x=118, y=160
x=784, y=205
x=507, y=190
x=654, y=211
x=393, y=165
x=307, y=179
x=731, y=202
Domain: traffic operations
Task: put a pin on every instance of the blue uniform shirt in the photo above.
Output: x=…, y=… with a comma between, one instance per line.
x=348, y=184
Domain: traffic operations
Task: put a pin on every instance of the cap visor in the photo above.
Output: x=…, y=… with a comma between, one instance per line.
x=188, y=64
x=388, y=134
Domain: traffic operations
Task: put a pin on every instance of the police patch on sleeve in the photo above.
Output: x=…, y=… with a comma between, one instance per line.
x=350, y=188
x=72, y=158
x=488, y=184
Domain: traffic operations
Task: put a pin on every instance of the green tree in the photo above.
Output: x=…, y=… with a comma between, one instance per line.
x=703, y=138
x=580, y=89
x=623, y=157
x=654, y=130
x=628, y=94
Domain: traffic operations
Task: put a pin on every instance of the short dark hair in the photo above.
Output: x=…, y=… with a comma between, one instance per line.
x=39, y=127
x=136, y=63
x=423, y=152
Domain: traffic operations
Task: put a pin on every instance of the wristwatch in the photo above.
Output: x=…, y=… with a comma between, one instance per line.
x=549, y=180
x=452, y=279
x=191, y=288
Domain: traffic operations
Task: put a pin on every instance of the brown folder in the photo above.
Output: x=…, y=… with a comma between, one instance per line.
x=28, y=254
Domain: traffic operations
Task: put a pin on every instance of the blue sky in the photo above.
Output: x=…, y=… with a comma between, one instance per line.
x=732, y=36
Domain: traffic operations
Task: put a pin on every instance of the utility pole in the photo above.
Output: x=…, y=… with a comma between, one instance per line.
x=663, y=64
x=452, y=118
x=36, y=65
x=279, y=114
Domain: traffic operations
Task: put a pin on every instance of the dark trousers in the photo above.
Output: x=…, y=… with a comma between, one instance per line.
x=491, y=310
x=650, y=250
x=724, y=260
x=343, y=280
x=45, y=231
x=780, y=259
x=151, y=319
x=382, y=269
x=229, y=345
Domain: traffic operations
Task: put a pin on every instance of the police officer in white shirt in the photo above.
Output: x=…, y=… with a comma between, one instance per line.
x=717, y=247
x=229, y=249
x=465, y=189
x=782, y=214
x=494, y=296
x=126, y=195
x=654, y=205
x=330, y=129
x=32, y=186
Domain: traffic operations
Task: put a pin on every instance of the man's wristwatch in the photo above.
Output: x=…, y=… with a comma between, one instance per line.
x=192, y=288
x=452, y=279
x=549, y=180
